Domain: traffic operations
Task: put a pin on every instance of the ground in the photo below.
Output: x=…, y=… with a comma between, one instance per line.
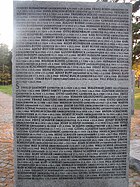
x=135, y=125
x=6, y=143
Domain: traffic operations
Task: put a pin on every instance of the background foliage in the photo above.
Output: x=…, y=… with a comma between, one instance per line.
x=136, y=40
x=5, y=65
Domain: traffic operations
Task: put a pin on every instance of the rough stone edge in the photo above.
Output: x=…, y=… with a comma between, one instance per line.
x=134, y=164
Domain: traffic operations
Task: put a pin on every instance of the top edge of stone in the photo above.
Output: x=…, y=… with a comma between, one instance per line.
x=72, y=4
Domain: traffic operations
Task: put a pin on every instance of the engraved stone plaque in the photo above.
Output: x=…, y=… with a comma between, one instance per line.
x=72, y=94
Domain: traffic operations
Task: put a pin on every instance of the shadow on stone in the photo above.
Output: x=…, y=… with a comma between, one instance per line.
x=134, y=164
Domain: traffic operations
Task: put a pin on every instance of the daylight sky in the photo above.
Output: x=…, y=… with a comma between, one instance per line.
x=6, y=20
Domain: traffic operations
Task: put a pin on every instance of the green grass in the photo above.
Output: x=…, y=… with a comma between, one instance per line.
x=137, y=98
x=6, y=89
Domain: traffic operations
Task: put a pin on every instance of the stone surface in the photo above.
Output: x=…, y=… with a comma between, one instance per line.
x=73, y=94
x=134, y=164
x=6, y=177
x=135, y=149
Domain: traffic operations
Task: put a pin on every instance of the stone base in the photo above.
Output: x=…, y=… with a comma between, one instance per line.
x=74, y=183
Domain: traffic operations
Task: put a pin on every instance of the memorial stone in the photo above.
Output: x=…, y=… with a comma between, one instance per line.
x=72, y=94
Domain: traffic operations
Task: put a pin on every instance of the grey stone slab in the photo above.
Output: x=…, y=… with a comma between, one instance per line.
x=135, y=164
x=74, y=183
x=71, y=94
x=135, y=149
